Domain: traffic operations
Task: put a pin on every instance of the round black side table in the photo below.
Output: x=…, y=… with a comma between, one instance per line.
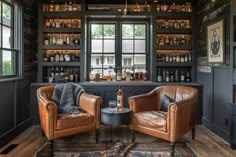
x=112, y=117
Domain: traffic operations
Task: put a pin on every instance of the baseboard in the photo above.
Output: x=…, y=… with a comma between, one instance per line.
x=11, y=134
x=216, y=129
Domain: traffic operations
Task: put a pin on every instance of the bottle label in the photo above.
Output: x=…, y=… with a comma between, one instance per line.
x=118, y=101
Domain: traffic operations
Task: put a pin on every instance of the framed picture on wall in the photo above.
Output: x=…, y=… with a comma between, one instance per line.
x=216, y=42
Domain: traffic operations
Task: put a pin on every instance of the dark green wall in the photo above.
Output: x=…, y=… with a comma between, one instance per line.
x=217, y=83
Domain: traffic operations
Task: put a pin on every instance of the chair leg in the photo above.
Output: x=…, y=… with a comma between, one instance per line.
x=133, y=138
x=42, y=133
x=97, y=135
x=51, y=146
x=193, y=133
x=172, y=149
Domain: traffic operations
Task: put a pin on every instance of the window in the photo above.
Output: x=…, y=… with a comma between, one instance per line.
x=8, y=36
x=134, y=47
x=120, y=45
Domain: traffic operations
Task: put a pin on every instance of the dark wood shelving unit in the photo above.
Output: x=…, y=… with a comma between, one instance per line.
x=67, y=64
x=160, y=16
x=174, y=64
x=61, y=47
x=62, y=30
x=45, y=68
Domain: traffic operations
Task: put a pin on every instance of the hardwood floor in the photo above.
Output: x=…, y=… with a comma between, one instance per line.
x=206, y=144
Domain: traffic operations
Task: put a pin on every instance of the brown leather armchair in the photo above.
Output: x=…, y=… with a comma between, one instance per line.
x=56, y=125
x=172, y=125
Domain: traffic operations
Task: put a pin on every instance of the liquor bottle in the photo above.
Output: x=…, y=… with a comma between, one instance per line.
x=182, y=24
x=172, y=78
x=183, y=40
x=159, y=76
x=61, y=57
x=57, y=73
x=70, y=8
x=51, y=7
x=145, y=75
x=189, y=57
x=174, y=58
x=48, y=23
x=57, y=7
x=53, y=24
x=52, y=72
x=167, y=41
x=118, y=76
x=163, y=75
x=186, y=58
x=146, y=7
x=167, y=58
x=161, y=41
x=131, y=75
x=176, y=75
x=165, y=7
x=188, y=79
x=74, y=7
x=127, y=74
x=62, y=71
x=173, y=7
x=182, y=58
x=176, y=25
x=182, y=77
x=171, y=58
x=66, y=7
x=52, y=57
x=120, y=98
x=167, y=76
x=71, y=75
x=178, y=58
x=67, y=39
x=76, y=76
x=57, y=57
x=54, y=40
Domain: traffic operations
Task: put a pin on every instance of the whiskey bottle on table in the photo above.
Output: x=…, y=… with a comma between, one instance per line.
x=120, y=100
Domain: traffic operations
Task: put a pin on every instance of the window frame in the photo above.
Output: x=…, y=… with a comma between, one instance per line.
x=16, y=28
x=118, y=40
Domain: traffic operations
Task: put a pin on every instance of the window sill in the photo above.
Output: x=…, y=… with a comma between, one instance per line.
x=10, y=79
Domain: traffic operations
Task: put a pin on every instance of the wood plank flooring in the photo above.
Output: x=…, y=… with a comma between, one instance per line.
x=206, y=144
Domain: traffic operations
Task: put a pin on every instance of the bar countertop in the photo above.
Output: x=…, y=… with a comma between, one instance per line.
x=125, y=83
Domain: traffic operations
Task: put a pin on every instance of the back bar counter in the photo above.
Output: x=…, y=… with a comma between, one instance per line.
x=108, y=91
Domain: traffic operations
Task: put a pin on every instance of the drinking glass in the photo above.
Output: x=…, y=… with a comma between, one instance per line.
x=112, y=105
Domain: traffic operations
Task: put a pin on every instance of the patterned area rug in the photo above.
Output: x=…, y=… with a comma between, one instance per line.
x=145, y=146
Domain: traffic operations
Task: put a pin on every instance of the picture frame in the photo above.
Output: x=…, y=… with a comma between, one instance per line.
x=216, y=42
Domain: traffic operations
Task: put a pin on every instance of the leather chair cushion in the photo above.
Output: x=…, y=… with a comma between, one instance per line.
x=151, y=119
x=67, y=121
x=165, y=103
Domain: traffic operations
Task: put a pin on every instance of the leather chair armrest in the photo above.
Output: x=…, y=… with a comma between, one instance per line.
x=179, y=118
x=48, y=116
x=144, y=102
x=91, y=104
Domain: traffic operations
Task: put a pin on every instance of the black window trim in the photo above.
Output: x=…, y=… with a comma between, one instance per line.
x=118, y=40
x=16, y=29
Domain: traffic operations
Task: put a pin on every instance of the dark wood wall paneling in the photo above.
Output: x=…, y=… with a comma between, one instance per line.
x=15, y=109
x=217, y=91
x=30, y=41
